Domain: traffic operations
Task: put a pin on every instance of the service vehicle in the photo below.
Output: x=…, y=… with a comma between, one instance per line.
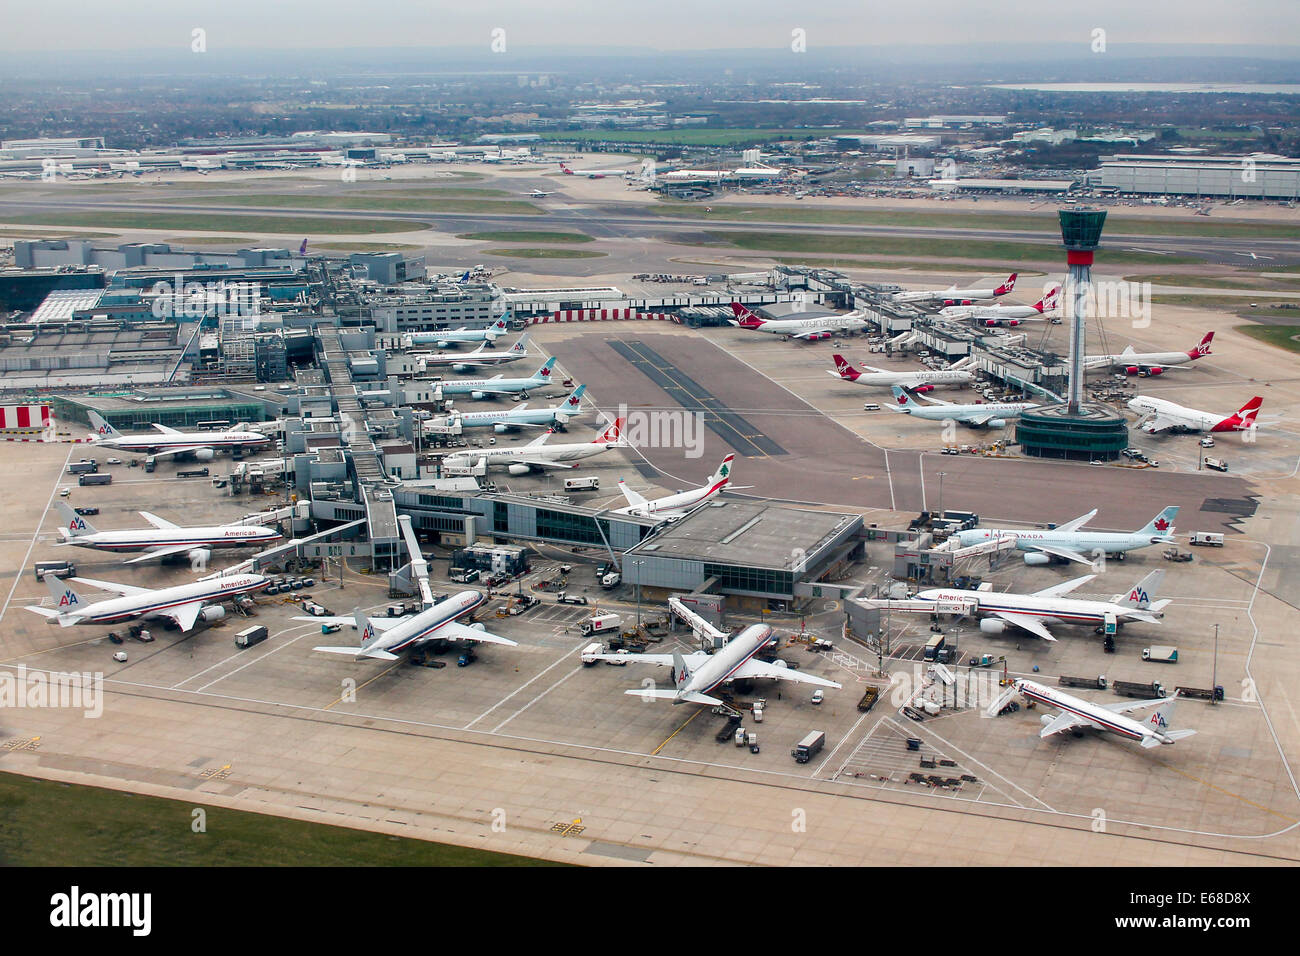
x=1207, y=538
x=600, y=623
x=1160, y=653
x=809, y=747
x=251, y=635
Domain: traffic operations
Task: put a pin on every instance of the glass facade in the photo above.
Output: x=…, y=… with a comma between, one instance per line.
x=763, y=581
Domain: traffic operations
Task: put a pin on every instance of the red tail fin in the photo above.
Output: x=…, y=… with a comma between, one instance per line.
x=745, y=318
x=1007, y=286
x=1248, y=411
x=1203, y=348
x=1048, y=302
x=846, y=370
x=611, y=434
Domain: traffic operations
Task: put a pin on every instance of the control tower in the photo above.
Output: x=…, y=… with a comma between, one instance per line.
x=1076, y=429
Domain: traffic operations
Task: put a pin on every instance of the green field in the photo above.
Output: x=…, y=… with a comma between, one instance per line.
x=1046, y=222
x=365, y=246
x=1281, y=336
x=918, y=247
x=385, y=201
x=692, y=137
x=525, y=253
x=220, y=222
x=43, y=823
x=505, y=235
x=1243, y=281
x=209, y=240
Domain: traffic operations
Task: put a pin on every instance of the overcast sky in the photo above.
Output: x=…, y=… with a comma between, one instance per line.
x=533, y=25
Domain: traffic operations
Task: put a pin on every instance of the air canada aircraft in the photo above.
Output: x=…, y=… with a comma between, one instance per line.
x=1067, y=542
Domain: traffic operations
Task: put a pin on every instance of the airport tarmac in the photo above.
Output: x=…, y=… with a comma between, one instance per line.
x=528, y=751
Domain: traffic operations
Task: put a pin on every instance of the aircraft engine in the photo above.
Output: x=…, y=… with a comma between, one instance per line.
x=199, y=557
x=1132, y=370
x=444, y=344
x=460, y=367
x=1013, y=323
x=1046, y=719
x=990, y=323
x=204, y=454
x=1155, y=370
x=1035, y=558
x=990, y=626
x=922, y=389
x=518, y=470
x=997, y=423
x=213, y=612
x=478, y=396
x=500, y=428
x=779, y=663
x=478, y=627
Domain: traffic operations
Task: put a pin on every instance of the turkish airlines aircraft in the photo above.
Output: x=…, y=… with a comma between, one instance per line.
x=806, y=330
x=1148, y=363
x=954, y=296
x=202, y=445
x=1158, y=414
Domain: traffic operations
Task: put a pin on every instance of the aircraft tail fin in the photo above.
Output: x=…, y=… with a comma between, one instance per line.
x=102, y=428
x=66, y=598
x=611, y=435
x=573, y=404
x=634, y=499
x=74, y=525
x=681, y=673
x=846, y=370
x=520, y=347
x=1007, y=286
x=744, y=318
x=365, y=631
x=1161, y=721
x=1050, y=300
x=1248, y=411
x=1162, y=524
x=1139, y=596
x=545, y=371
x=723, y=474
x=1203, y=348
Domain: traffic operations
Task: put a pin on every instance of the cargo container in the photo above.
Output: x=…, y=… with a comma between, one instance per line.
x=95, y=479
x=809, y=747
x=251, y=635
x=1160, y=653
x=588, y=483
x=1210, y=538
x=85, y=466
x=599, y=623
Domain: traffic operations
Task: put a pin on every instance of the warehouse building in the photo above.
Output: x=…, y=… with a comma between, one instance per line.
x=1258, y=176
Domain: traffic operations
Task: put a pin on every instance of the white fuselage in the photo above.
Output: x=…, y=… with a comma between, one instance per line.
x=423, y=626
x=474, y=358
x=678, y=503
x=165, y=441
x=475, y=386
x=1085, y=542
x=1116, y=723
x=527, y=416
x=943, y=295
x=1190, y=419
x=720, y=666
x=850, y=322
x=1063, y=609
x=155, y=602
x=458, y=337
x=221, y=536
x=990, y=312
x=526, y=453
x=909, y=379
x=940, y=413
x=1126, y=360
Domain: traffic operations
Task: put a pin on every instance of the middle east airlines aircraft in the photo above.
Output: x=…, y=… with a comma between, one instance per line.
x=981, y=415
x=806, y=330
x=1079, y=714
x=184, y=603
x=696, y=674
x=452, y=337
x=163, y=540
x=674, y=506
x=1067, y=542
x=480, y=357
x=1158, y=414
x=922, y=381
x=997, y=314
x=521, y=416
x=1031, y=612
x=537, y=455
x=202, y=445
x=384, y=638
x=1148, y=363
x=954, y=296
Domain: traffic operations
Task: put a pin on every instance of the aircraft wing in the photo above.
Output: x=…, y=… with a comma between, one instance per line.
x=459, y=632
x=978, y=418
x=1059, y=551
x=1065, y=587
x=548, y=464
x=1124, y=706
x=125, y=590
x=185, y=614
x=752, y=669
x=162, y=553
x=1161, y=423
x=663, y=660
x=1033, y=625
x=1065, y=721
x=178, y=451
x=807, y=333
x=161, y=523
x=356, y=652
x=1077, y=523
x=165, y=430
x=496, y=391
x=378, y=623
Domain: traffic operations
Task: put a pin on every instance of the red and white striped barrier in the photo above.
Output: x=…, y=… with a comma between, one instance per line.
x=33, y=416
x=602, y=315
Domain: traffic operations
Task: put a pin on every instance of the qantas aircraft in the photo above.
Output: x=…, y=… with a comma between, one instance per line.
x=997, y=314
x=954, y=296
x=1148, y=363
x=806, y=330
x=202, y=445
x=923, y=381
x=1158, y=414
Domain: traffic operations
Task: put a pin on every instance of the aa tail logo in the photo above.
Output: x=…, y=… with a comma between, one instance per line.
x=368, y=633
x=76, y=524
x=1139, y=596
x=68, y=600
x=1158, y=720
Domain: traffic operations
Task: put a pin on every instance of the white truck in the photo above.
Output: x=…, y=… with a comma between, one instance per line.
x=1209, y=538
x=600, y=623
x=589, y=653
x=611, y=580
x=587, y=483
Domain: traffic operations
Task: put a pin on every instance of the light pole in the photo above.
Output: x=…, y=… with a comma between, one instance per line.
x=941, y=474
x=637, y=564
x=1214, y=679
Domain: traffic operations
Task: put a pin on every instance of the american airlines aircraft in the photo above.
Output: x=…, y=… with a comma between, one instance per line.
x=384, y=638
x=954, y=296
x=448, y=338
x=1067, y=542
x=184, y=603
x=163, y=540
x=537, y=455
x=674, y=506
x=1079, y=714
x=202, y=445
x=696, y=675
x=1158, y=414
x=806, y=330
x=982, y=415
x=922, y=381
x=1031, y=612
x=993, y=316
x=1148, y=363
